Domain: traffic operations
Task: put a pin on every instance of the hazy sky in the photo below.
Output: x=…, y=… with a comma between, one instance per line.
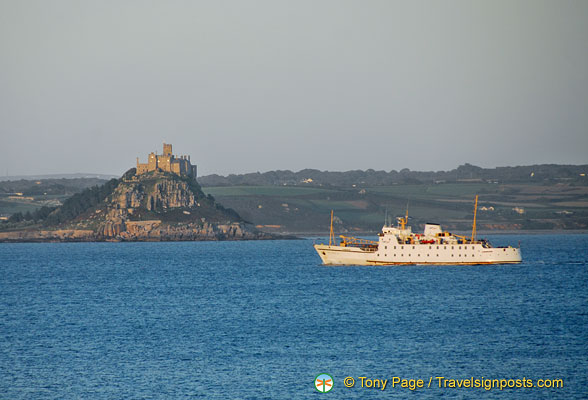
x=245, y=86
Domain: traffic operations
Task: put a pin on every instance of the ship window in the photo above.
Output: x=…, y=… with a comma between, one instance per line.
x=460, y=247
x=437, y=247
x=394, y=247
x=418, y=255
x=409, y=255
x=402, y=247
x=413, y=247
x=385, y=247
x=430, y=247
x=445, y=247
x=451, y=247
x=504, y=249
x=437, y=255
x=427, y=255
x=385, y=255
x=394, y=254
x=451, y=255
x=460, y=254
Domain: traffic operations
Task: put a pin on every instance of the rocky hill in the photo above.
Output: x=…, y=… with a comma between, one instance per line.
x=154, y=206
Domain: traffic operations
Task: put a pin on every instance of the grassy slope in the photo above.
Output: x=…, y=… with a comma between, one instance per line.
x=306, y=209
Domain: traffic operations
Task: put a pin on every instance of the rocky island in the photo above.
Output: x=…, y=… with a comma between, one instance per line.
x=157, y=201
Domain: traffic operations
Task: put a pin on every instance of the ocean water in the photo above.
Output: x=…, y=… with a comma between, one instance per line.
x=260, y=320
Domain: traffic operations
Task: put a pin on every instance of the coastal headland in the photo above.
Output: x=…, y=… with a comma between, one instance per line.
x=157, y=201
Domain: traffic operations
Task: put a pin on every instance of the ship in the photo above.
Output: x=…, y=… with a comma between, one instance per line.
x=398, y=245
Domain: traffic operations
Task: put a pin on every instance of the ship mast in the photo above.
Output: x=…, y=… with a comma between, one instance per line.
x=331, y=233
x=474, y=225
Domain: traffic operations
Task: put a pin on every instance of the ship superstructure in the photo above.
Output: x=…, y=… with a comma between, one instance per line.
x=398, y=245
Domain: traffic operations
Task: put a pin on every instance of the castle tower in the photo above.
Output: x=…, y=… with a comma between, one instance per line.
x=167, y=162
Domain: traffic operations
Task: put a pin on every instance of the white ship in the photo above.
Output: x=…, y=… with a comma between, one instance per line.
x=400, y=246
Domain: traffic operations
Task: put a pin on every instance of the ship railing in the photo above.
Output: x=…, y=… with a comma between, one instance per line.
x=349, y=241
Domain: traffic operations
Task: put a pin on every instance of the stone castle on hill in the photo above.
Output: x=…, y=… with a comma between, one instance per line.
x=179, y=165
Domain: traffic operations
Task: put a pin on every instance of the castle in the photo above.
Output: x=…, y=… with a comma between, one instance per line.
x=167, y=162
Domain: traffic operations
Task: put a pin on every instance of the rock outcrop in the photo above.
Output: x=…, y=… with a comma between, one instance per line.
x=155, y=206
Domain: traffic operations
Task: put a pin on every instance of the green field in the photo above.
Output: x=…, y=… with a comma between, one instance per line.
x=307, y=209
x=274, y=191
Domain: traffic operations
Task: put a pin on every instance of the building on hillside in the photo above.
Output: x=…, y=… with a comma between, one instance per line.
x=179, y=165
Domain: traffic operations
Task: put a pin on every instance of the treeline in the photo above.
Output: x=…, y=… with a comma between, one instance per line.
x=37, y=215
x=71, y=208
x=534, y=173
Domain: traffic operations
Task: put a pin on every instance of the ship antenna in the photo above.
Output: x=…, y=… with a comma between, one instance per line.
x=474, y=225
x=386, y=217
x=331, y=233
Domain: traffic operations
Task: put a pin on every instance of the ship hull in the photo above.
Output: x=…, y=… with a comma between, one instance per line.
x=418, y=255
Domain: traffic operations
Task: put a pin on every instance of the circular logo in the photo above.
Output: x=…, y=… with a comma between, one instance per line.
x=323, y=383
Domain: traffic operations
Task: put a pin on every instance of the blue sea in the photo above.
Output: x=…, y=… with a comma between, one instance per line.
x=262, y=319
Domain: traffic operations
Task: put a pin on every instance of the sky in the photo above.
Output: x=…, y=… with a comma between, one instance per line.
x=246, y=86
